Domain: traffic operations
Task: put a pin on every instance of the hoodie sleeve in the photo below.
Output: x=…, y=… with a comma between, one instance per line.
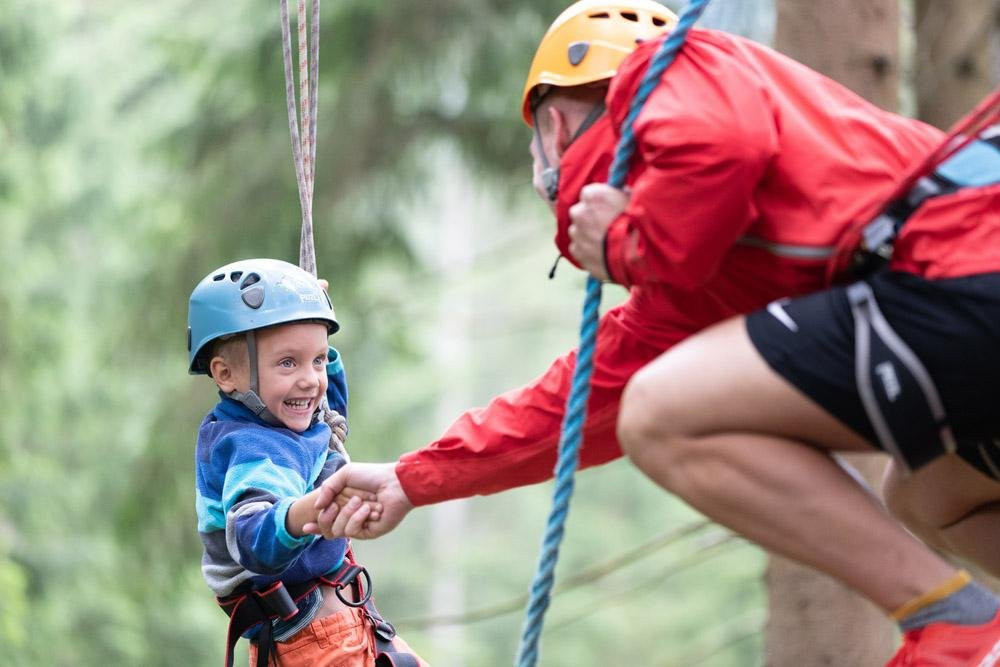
x=263, y=478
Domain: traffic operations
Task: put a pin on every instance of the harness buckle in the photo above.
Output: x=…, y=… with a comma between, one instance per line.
x=348, y=576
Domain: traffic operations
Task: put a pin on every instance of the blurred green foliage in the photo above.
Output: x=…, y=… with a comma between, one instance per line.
x=144, y=144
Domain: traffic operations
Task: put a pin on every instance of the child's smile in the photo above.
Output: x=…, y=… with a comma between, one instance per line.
x=292, y=371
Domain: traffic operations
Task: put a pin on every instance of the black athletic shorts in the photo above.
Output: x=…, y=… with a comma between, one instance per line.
x=951, y=326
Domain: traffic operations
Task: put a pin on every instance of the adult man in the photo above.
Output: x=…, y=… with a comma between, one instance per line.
x=749, y=170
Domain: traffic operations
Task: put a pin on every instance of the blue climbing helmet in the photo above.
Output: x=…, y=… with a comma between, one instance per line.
x=247, y=295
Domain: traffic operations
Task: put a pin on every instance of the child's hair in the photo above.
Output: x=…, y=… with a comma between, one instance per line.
x=232, y=348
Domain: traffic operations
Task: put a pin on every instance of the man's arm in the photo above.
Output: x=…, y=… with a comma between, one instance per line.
x=511, y=442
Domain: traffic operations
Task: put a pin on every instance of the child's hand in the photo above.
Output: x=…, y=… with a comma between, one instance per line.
x=367, y=497
x=359, y=505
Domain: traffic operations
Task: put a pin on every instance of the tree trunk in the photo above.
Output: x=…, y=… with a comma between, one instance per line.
x=855, y=42
x=956, y=57
x=813, y=619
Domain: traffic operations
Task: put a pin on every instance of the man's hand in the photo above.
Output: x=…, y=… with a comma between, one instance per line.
x=356, y=518
x=590, y=218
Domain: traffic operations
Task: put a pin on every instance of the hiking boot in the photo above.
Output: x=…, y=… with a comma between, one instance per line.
x=950, y=645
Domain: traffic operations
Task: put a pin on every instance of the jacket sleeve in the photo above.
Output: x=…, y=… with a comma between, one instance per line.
x=513, y=441
x=704, y=141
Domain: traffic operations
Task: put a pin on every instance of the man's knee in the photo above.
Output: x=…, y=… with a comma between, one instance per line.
x=645, y=422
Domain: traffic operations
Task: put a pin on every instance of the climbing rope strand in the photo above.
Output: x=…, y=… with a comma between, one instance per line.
x=313, y=96
x=293, y=117
x=569, y=442
x=300, y=139
x=568, y=459
x=305, y=122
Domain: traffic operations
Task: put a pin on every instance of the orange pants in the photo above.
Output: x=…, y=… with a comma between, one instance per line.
x=343, y=639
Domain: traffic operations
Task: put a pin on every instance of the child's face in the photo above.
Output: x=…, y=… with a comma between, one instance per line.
x=291, y=360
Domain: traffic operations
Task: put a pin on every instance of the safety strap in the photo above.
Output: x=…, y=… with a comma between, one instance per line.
x=260, y=607
x=898, y=394
x=250, y=608
x=975, y=165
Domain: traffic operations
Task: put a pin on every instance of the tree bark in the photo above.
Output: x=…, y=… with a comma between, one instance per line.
x=956, y=57
x=855, y=42
x=813, y=619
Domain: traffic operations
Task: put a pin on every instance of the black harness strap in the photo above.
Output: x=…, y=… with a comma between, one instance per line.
x=250, y=608
x=976, y=165
x=386, y=654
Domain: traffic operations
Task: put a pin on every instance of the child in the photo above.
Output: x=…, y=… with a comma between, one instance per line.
x=259, y=329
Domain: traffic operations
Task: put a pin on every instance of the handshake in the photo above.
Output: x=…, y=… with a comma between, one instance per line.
x=361, y=500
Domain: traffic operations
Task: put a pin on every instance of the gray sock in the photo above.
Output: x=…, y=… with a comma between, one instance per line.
x=970, y=605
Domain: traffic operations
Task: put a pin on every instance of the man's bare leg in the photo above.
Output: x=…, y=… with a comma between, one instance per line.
x=711, y=422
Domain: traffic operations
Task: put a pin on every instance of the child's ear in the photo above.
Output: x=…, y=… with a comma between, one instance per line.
x=223, y=374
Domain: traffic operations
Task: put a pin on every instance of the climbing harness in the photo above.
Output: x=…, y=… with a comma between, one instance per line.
x=576, y=406
x=250, y=608
x=968, y=157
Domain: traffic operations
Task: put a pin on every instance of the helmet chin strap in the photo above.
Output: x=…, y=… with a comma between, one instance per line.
x=251, y=398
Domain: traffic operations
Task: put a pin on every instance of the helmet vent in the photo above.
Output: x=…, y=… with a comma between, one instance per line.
x=577, y=52
x=251, y=279
x=599, y=15
x=253, y=297
x=658, y=22
x=630, y=16
x=235, y=275
x=218, y=276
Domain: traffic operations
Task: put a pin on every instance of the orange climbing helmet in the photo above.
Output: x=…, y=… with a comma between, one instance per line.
x=588, y=41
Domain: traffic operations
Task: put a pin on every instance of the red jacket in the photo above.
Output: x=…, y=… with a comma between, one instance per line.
x=749, y=168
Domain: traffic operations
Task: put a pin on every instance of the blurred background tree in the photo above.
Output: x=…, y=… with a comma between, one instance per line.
x=144, y=144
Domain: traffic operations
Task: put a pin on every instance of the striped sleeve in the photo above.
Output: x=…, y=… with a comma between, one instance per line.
x=264, y=476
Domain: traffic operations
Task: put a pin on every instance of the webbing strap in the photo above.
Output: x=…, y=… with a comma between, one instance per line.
x=897, y=392
x=975, y=165
x=250, y=608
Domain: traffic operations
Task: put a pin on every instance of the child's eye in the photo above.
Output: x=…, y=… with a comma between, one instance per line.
x=320, y=361
x=286, y=363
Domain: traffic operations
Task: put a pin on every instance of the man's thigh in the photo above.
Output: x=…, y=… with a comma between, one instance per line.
x=717, y=382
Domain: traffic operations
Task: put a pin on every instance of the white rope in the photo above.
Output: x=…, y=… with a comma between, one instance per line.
x=302, y=116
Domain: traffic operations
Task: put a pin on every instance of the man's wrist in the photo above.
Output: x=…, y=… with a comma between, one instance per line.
x=614, y=238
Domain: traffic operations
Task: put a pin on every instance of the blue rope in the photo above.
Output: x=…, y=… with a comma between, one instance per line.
x=576, y=405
